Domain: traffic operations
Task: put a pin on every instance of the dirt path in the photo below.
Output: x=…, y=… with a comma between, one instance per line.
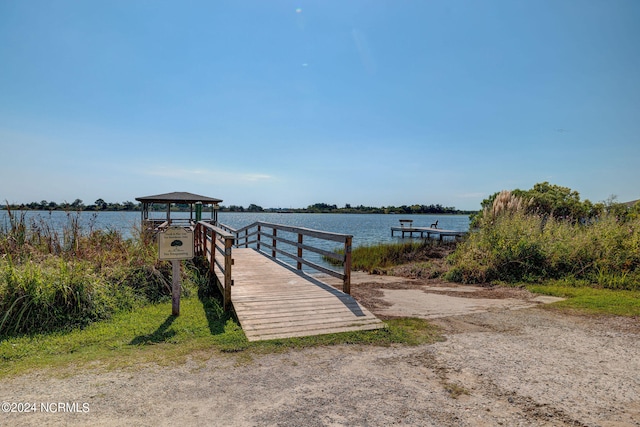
x=498, y=366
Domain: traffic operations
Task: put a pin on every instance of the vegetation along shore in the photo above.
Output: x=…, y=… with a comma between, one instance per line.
x=101, y=205
x=66, y=289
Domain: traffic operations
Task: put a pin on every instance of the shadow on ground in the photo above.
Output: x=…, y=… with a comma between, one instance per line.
x=159, y=335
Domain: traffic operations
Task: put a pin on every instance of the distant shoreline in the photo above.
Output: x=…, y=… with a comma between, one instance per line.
x=101, y=206
x=283, y=211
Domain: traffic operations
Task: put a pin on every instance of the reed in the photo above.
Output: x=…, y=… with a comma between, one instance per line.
x=521, y=247
x=380, y=258
x=56, y=277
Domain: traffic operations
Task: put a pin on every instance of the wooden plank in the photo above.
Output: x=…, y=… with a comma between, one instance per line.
x=256, y=336
x=273, y=300
x=259, y=306
x=275, y=314
x=300, y=324
x=311, y=325
x=353, y=313
x=256, y=328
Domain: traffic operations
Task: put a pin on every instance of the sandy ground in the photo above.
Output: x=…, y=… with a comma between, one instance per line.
x=506, y=361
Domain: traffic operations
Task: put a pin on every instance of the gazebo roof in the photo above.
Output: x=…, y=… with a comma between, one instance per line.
x=178, y=197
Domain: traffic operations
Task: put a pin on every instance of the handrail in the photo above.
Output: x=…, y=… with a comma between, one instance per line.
x=255, y=235
x=208, y=240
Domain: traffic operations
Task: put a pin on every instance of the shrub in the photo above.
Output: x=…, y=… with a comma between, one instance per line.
x=36, y=298
x=548, y=201
x=54, y=277
x=512, y=245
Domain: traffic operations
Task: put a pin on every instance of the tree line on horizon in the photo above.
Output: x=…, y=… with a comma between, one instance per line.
x=101, y=205
x=348, y=208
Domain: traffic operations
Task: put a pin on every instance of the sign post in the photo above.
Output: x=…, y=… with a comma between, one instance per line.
x=175, y=244
x=176, y=285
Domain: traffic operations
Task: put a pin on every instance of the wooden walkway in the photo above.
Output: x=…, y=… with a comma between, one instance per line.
x=273, y=300
x=426, y=230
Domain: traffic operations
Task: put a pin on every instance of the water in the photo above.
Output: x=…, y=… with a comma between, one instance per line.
x=366, y=229
x=123, y=222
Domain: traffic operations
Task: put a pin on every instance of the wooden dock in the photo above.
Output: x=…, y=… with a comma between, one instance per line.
x=428, y=231
x=273, y=300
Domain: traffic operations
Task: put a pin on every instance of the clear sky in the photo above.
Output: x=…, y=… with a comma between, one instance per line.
x=290, y=103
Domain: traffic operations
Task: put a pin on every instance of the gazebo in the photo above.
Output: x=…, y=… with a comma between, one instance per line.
x=193, y=200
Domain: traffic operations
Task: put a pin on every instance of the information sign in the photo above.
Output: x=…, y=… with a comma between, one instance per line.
x=175, y=243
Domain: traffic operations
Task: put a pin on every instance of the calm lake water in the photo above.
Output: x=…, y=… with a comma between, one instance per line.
x=365, y=228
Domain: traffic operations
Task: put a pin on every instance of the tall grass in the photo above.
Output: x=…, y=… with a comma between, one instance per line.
x=58, y=277
x=379, y=258
x=55, y=294
x=514, y=246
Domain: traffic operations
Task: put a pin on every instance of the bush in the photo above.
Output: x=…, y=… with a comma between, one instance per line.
x=515, y=246
x=55, y=278
x=544, y=199
x=37, y=298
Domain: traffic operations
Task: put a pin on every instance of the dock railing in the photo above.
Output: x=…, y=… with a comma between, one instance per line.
x=209, y=240
x=265, y=237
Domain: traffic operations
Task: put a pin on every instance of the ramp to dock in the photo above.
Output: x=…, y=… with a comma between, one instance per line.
x=273, y=300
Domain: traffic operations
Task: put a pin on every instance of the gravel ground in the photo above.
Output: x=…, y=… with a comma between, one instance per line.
x=526, y=367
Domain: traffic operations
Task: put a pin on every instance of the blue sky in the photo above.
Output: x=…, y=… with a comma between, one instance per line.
x=289, y=103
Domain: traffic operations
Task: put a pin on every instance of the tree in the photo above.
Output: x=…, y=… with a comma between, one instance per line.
x=129, y=206
x=100, y=204
x=554, y=200
x=322, y=207
x=547, y=200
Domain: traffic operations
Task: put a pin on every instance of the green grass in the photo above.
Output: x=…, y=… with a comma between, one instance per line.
x=379, y=258
x=152, y=335
x=591, y=300
x=144, y=335
x=55, y=278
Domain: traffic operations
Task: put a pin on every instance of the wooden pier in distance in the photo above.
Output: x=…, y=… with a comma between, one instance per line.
x=406, y=227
